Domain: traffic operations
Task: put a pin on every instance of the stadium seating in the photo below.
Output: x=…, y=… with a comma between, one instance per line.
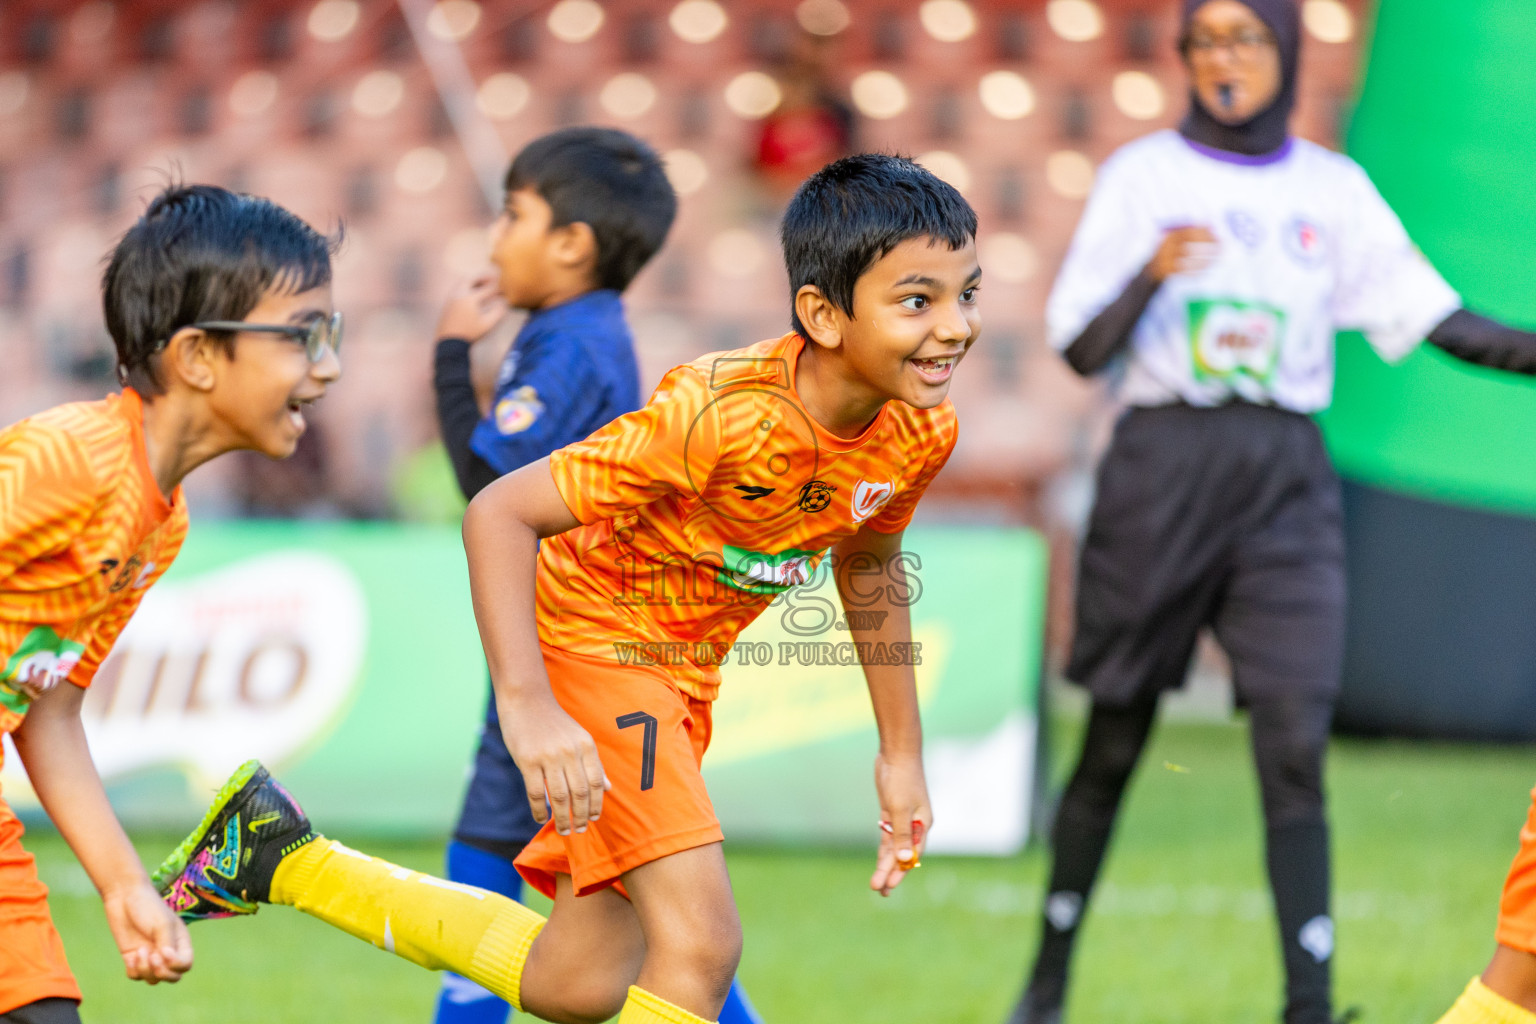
x=331, y=109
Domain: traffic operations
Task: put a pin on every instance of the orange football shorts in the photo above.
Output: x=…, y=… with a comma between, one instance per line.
x=651, y=738
x=32, y=964
x=1517, y=908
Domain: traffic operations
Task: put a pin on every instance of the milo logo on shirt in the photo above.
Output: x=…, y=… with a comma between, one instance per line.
x=757, y=573
x=43, y=660
x=1232, y=339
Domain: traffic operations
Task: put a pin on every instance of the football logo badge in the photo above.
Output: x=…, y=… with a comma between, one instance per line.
x=815, y=496
x=869, y=498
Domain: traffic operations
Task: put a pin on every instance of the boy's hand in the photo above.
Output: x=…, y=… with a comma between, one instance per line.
x=153, y=940
x=1185, y=250
x=903, y=793
x=474, y=308
x=559, y=763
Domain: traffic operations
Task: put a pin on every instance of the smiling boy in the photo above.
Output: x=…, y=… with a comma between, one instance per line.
x=672, y=525
x=220, y=309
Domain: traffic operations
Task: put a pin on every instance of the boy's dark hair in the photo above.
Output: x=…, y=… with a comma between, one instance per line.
x=198, y=253
x=608, y=180
x=854, y=211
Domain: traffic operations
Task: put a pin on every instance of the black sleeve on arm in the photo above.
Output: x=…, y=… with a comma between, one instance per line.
x=1108, y=332
x=1477, y=339
x=458, y=413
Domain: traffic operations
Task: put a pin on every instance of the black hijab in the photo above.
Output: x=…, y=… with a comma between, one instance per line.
x=1266, y=132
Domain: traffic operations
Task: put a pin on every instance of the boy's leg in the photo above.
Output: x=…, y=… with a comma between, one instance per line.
x=1482, y=1004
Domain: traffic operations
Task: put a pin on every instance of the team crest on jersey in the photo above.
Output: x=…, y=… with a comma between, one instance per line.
x=518, y=411
x=129, y=574
x=1305, y=242
x=1245, y=227
x=815, y=496
x=869, y=498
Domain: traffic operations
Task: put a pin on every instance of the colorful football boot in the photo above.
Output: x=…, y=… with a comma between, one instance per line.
x=225, y=866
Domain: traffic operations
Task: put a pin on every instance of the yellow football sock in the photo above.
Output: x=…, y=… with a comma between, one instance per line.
x=1480, y=1004
x=644, y=1008
x=440, y=925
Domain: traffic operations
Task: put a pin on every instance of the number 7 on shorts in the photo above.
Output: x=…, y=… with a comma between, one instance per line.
x=648, y=745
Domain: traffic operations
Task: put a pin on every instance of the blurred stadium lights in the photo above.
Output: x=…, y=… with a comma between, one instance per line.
x=948, y=166
x=378, y=94
x=737, y=252
x=1006, y=95
x=686, y=170
x=253, y=93
x=575, y=21
x=421, y=170
x=823, y=17
x=1009, y=257
x=453, y=20
x=1069, y=173
x=503, y=95
x=753, y=95
x=1138, y=95
x=1329, y=21
x=332, y=20
x=627, y=95
x=948, y=21
x=879, y=94
x=1076, y=21
x=698, y=21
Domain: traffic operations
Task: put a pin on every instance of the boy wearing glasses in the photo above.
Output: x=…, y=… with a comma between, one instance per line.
x=220, y=309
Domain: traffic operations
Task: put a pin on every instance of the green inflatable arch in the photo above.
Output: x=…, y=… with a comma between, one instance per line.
x=1446, y=127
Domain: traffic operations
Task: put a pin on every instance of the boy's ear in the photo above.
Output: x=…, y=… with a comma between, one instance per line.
x=188, y=359
x=822, y=320
x=576, y=245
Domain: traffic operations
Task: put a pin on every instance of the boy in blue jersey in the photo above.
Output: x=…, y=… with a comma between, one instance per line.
x=586, y=208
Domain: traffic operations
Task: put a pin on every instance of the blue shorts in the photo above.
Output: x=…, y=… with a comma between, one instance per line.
x=496, y=816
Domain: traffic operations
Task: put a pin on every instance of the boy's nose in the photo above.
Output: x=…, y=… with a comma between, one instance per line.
x=954, y=325
x=328, y=368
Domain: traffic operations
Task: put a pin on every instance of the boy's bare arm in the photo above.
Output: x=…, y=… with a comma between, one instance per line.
x=51, y=742
x=502, y=529
x=867, y=587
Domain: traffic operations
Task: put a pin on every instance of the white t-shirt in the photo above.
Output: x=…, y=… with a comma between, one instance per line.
x=1307, y=247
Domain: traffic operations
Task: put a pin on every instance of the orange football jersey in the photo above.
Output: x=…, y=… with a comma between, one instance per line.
x=720, y=494
x=84, y=531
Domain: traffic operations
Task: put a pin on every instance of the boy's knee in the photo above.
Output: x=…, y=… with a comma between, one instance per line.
x=590, y=1001
x=709, y=951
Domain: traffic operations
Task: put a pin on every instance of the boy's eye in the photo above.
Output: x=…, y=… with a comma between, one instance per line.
x=915, y=302
x=969, y=295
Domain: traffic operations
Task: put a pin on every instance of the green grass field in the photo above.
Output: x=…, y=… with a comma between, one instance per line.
x=1180, y=931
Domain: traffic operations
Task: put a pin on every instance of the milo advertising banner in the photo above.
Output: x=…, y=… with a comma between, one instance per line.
x=345, y=656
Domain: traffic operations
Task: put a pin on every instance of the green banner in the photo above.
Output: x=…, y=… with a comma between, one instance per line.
x=345, y=656
x=1443, y=127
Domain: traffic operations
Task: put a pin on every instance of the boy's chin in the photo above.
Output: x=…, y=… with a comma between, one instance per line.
x=927, y=396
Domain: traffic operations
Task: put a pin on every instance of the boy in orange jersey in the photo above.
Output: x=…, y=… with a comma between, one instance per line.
x=669, y=530
x=1506, y=991
x=91, y=514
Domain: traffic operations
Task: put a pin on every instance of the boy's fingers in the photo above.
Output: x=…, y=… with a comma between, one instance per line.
x=597, y=782
x=559, y=799
x=576, y=782
x=533, y=785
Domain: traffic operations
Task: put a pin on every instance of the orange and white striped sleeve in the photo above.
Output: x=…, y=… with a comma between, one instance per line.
x=669, y=446
x=47, y=494
x=934, y=448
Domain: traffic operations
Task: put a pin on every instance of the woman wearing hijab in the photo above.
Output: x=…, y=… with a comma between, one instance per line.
x=1212, y=268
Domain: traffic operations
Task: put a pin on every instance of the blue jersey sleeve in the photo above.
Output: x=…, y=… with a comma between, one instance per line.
x=553, y=398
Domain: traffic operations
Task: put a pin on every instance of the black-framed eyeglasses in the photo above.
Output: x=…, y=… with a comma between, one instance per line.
x=317, y=335
x=1245, y=45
